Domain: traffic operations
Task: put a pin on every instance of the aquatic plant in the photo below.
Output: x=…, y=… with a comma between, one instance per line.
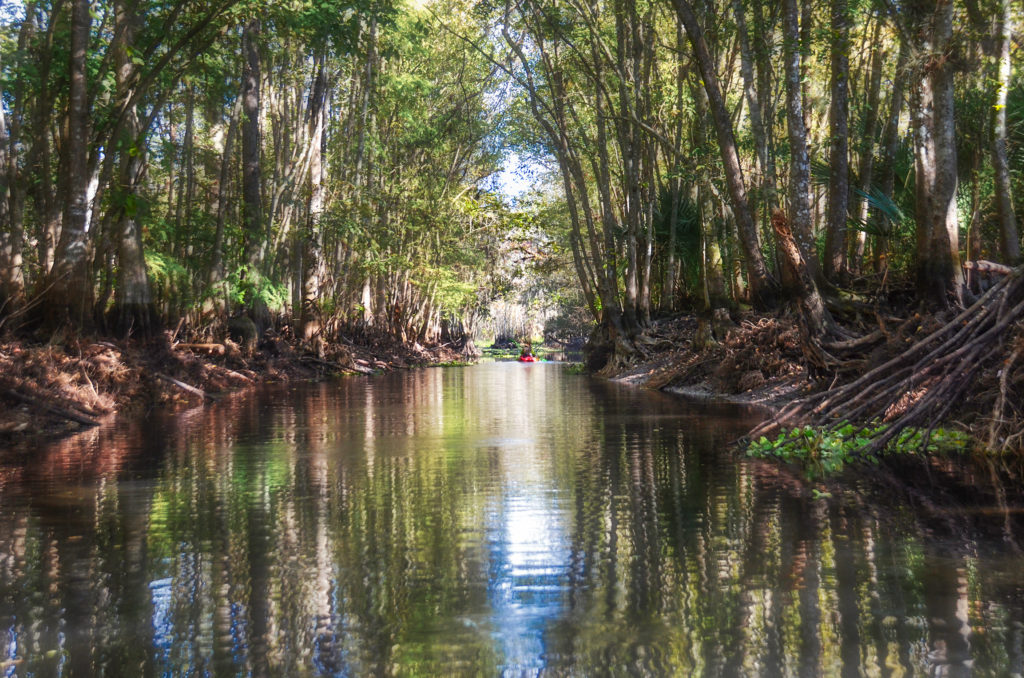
x=824, y=451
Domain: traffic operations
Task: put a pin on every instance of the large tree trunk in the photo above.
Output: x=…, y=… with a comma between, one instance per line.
x=1009, y=238
x=12, y=195
x=939, y=275
x=839, y=163
x=763, y=288
x=69, y=297
x=133, y=306
x=12, y=283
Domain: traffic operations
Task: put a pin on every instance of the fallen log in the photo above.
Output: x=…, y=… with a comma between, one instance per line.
x=38, y=402
x=185, y=387
x=355, y=367
x=982, y=266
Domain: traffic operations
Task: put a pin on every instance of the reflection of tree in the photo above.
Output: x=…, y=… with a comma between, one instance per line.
x=368, y=528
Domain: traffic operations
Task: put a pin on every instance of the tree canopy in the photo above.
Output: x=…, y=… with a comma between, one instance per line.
x=330, y=162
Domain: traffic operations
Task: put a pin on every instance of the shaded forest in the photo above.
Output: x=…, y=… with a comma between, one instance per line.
x=329, y=168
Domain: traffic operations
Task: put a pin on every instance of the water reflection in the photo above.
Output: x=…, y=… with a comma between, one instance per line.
x=503, y=519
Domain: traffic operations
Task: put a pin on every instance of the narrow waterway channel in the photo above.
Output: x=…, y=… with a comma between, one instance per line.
x=499, y=519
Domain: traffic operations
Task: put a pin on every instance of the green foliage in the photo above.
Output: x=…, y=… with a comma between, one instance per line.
x=163, y=270
x=825, y=451
x=246, y=287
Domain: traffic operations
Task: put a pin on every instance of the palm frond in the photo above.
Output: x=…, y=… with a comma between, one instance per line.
x=883, y=206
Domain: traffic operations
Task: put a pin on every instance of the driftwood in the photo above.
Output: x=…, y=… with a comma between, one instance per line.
x=44, y=402
x=919, y=386
x=214, y=349
x=355, y=367
x=185, y=387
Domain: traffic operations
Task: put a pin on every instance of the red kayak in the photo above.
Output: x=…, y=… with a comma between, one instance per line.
x=527, y=359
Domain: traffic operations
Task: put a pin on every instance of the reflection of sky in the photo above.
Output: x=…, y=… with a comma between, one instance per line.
x=163, y=625
x=529, y=548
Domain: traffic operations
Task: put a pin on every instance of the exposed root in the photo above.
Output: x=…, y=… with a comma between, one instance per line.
x=918, y=387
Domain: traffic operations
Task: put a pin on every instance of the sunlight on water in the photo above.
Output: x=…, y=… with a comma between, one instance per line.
x=495, y=520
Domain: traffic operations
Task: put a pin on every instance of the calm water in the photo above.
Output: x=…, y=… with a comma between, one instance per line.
x=499, y=519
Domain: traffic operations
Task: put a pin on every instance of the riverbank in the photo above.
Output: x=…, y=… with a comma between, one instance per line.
x=49, y=390
x=758, y=360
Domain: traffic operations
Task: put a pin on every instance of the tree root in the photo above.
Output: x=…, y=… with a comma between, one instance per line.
x=919, y=386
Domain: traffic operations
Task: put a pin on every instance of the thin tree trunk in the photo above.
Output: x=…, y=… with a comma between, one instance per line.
x=12, y=282
x=763, y=288
x=839, y=156
x=12, y=209
x=252, y=204
x=757, y=127
x=313, y=245
x=890, y=147
x=799, y=217
x=1009, y=238
x=867, y=149
x=668, y=293
x=216, y=274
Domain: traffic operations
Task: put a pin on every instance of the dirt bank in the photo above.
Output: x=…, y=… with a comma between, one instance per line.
x=50, y=390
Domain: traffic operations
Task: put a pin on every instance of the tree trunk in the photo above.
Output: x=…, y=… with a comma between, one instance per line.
x=668, y=292
x=890, y=147
x=252, y=203
x=816, y=322
x=133, y=306
x=757, y=127
x=839, y=163
x=1009, y=238
x=12, y=196
x=867, y=149
x=313, y=240
x=764, y=30
x=216, y=273
x=12, y=282
x=763, y=288
x=939, y=276
x=799, y=216
x=70, y=290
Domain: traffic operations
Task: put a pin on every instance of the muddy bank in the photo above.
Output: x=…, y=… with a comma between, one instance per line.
x=51, y=390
